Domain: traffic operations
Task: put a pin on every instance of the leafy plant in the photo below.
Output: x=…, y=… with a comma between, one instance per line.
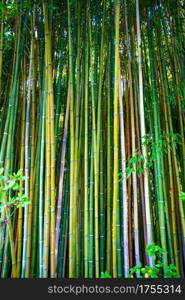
x=135, y=164
x=156, y=252
x=105, y=274
x=11, y=191
x=164, y=143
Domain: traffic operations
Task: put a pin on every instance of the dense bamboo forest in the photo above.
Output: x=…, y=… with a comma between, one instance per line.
x=92, y=138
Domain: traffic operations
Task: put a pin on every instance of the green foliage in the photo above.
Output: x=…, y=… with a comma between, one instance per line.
x=11, y=192
x=182, y=196
x=105, y=275
x=161, y=147
x=9, y=10
x=171, y=272
x=135, y=164
x=163, y=144
x=156, y=252
x=12, y=9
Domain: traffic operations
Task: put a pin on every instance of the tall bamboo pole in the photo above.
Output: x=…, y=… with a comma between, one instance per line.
x=149, y=237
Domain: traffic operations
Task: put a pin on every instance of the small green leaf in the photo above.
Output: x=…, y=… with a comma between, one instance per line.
x=9, y=185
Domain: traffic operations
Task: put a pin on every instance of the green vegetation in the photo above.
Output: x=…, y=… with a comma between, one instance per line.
x=11, y=191
x=156, y=271
x=105, y=275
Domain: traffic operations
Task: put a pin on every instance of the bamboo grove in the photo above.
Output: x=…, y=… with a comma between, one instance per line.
x=92, y=110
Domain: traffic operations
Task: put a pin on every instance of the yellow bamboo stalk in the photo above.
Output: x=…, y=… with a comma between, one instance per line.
x=116, y=139
x=20, y=210
x=50, y=151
